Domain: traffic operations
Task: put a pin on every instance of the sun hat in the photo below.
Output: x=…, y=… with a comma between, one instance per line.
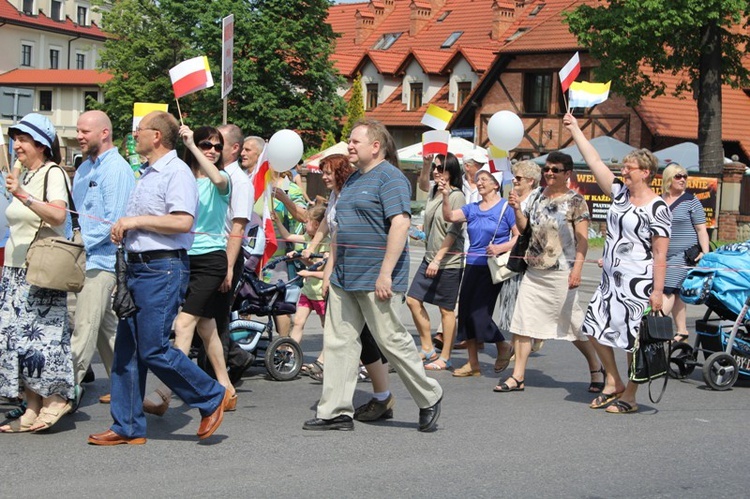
x=478, y=155
x=39, y=127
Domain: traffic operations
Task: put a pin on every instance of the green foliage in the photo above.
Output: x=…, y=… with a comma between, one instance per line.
x=329, y=141
x=664, y=35
x=355, y=109
x=283, y=74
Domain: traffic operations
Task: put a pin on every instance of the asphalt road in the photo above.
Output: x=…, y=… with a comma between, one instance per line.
x=544, y=442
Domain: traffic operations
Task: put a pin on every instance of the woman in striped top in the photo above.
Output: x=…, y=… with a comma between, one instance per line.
x=688, y=229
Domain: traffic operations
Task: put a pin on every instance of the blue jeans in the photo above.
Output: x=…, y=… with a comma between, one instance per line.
x=142, y=343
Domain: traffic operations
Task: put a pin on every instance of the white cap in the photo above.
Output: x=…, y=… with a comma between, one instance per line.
x=478, y=155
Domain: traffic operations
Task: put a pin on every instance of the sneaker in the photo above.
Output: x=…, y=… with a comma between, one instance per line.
x=375, y=409
x=343, y=423
x=363, y=376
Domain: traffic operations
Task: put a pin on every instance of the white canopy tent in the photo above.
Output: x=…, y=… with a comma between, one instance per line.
x=313, y=162
x=412, y=155
x=685, y=154
x=610, y=150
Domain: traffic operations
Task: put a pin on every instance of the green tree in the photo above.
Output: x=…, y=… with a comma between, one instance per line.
x=702, y=40
x=329, y=141
x=355, y=109
x=283, y=73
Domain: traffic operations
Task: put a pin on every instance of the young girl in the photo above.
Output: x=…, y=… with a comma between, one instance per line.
x=311, y=296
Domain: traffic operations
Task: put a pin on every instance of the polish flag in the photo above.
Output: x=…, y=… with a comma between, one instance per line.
x=435, y=142
x=272, y=244
x=500, y=163
x=190, y=76
x=570, y=72
x=261, y=175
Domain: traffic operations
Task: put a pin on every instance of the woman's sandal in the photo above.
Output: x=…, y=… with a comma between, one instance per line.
x=316, y=372
x=306, y=369
x=604, y=399
x=596, y=386
x=21, y=424
x=427, y=357
x=49, y=417
x=502, y=362
x=466, y=371
x=436, y=366
x=622, y=407
x=680, y=338
x=505, y=387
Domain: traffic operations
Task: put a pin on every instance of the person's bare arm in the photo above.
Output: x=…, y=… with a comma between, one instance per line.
x=581, y=230
x=603, y=175
x=423, y=181
x=173, y=223
x=659, y=245
x=234, y=243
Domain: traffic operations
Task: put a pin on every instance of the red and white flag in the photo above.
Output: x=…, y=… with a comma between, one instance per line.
x=570, y=72
x=272, y=244
x=435, y=142
x=190, y=76
x=261, y=175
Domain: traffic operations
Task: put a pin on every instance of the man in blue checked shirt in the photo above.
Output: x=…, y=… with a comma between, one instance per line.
x=101, y=188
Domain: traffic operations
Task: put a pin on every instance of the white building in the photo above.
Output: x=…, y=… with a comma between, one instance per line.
x=49, y=62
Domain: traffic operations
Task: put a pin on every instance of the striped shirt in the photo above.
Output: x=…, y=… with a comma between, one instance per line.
x=365, y=205
x=687, y=212
x=101, y=189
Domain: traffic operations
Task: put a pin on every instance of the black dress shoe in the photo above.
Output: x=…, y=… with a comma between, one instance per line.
x=343, y=423
x=89, y=377
x=235, y=373
x=428, y=417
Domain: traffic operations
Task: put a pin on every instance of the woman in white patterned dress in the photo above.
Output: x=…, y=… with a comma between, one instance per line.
x=634, y=264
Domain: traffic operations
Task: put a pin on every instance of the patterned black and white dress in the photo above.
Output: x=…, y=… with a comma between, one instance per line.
x=614, y=314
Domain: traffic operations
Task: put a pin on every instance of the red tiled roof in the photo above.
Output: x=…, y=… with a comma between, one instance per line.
x=346, y=63
x=57, y=77
x=385, y=62
x=393, y=112
x=669, y=116
x=431, y=61
x=11, y=15
x=479, y=59
x=546, y=31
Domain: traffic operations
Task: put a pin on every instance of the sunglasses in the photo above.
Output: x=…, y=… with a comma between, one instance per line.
x=438, y=167
x=518, y=178
x=552, y=169
x=680, y=176
x=207, y=145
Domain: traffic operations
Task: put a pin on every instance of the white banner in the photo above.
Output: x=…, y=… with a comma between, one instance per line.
x=227, y=55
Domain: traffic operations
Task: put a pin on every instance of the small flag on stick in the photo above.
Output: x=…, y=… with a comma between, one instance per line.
x=500, y=163
x=570, y=72
x=435, y=142
x=190, y=76
x=585, y=94
x=436, y=117
x=141, y=109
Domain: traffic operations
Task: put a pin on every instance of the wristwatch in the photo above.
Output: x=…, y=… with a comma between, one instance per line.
x=29, y=199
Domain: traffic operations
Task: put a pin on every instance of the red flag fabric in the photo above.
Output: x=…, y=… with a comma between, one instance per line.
x=272, y=244
x=261, y=176
x=570, y=72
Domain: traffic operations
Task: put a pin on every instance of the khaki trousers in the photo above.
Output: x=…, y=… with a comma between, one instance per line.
x=95, y=323
x=346, y=316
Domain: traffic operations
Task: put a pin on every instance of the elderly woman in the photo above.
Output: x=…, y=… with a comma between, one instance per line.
x=491, y=226
x=688, y=230
x=34, y=331
x=526, y=177
x=634, y=264
x=439, y=276
x=547, y=305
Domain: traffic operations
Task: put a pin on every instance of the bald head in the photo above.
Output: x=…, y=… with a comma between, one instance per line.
x=94, y=133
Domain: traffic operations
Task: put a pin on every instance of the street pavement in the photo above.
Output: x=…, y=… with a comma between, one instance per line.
x=543, y=442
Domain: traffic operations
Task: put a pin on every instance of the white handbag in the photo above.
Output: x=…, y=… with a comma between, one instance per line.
x=498, y=265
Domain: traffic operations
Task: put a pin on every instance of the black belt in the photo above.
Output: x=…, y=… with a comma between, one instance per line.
x=148, y=256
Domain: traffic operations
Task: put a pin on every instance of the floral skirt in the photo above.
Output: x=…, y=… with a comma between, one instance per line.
x=34, y=338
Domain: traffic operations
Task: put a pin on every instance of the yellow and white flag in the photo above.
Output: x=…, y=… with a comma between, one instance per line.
x=141, y=109
x=436, y=117
x=586, y=94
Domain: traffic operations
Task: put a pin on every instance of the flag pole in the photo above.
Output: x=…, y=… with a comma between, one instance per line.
x=565, y=100
x=178, y=110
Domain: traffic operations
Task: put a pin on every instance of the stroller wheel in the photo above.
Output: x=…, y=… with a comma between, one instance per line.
x=720, y=371
x=681, y=360
x=283, y=359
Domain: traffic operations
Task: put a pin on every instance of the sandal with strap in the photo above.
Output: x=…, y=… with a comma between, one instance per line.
x=502, y=362
x=505, y=387
x=21, y=424
x=49, y=417
x=466, y=371
x=596, y=386
x=306, y=369
x=622, y=407
x=430, y=356
x=316, y=373
x=604, y=399
x=680, y=338
x=435, y=366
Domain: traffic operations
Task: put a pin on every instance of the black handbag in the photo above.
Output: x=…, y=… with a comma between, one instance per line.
x=517, y=261
x=651, y=353
x=692, y=254
x=122, y=303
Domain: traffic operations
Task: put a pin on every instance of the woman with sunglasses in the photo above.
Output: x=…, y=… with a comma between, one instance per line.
x=634, y=264
x=439, y=276
x=688, y=231
x=547, y=305
x=208, y=261
x=491, y=225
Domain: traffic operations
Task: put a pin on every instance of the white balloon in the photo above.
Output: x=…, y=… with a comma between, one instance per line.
x=505, y=130
x=285, y=150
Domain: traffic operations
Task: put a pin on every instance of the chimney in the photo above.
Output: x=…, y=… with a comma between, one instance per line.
x=436, y=4
x=390, y=5
x=503, y=16
x=420, y=15
x=364, y=26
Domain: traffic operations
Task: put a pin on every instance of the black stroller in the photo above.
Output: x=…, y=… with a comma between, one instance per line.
x=282, y=356
x=721, y=281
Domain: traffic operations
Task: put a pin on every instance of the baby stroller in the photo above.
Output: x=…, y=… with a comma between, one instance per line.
x=282, y=356
x=721, y=281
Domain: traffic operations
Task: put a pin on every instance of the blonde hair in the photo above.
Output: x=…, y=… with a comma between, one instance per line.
x=528, y=169
x=645, y=160
x=668, y=175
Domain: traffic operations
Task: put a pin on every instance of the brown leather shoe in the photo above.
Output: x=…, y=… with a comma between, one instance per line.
x=209, y=424
x=157, y=409
x=105, y=399
x=109, y=437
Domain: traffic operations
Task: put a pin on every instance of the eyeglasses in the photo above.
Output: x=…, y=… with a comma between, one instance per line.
x=139, y=129
x=206, y=145
x=680, y=176
x=552, y=169
x=439, y=168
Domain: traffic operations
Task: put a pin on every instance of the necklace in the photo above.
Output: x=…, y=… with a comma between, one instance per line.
x=27, y=178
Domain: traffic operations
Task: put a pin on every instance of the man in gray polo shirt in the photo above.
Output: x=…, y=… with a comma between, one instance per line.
x=369, y=279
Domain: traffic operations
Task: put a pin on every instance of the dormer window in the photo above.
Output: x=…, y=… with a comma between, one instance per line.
x=536, y=10
x=415, y=101
x=385, y=41
x=448, y=43
x=28, y=7
x=82, y=15
x=443, y=16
